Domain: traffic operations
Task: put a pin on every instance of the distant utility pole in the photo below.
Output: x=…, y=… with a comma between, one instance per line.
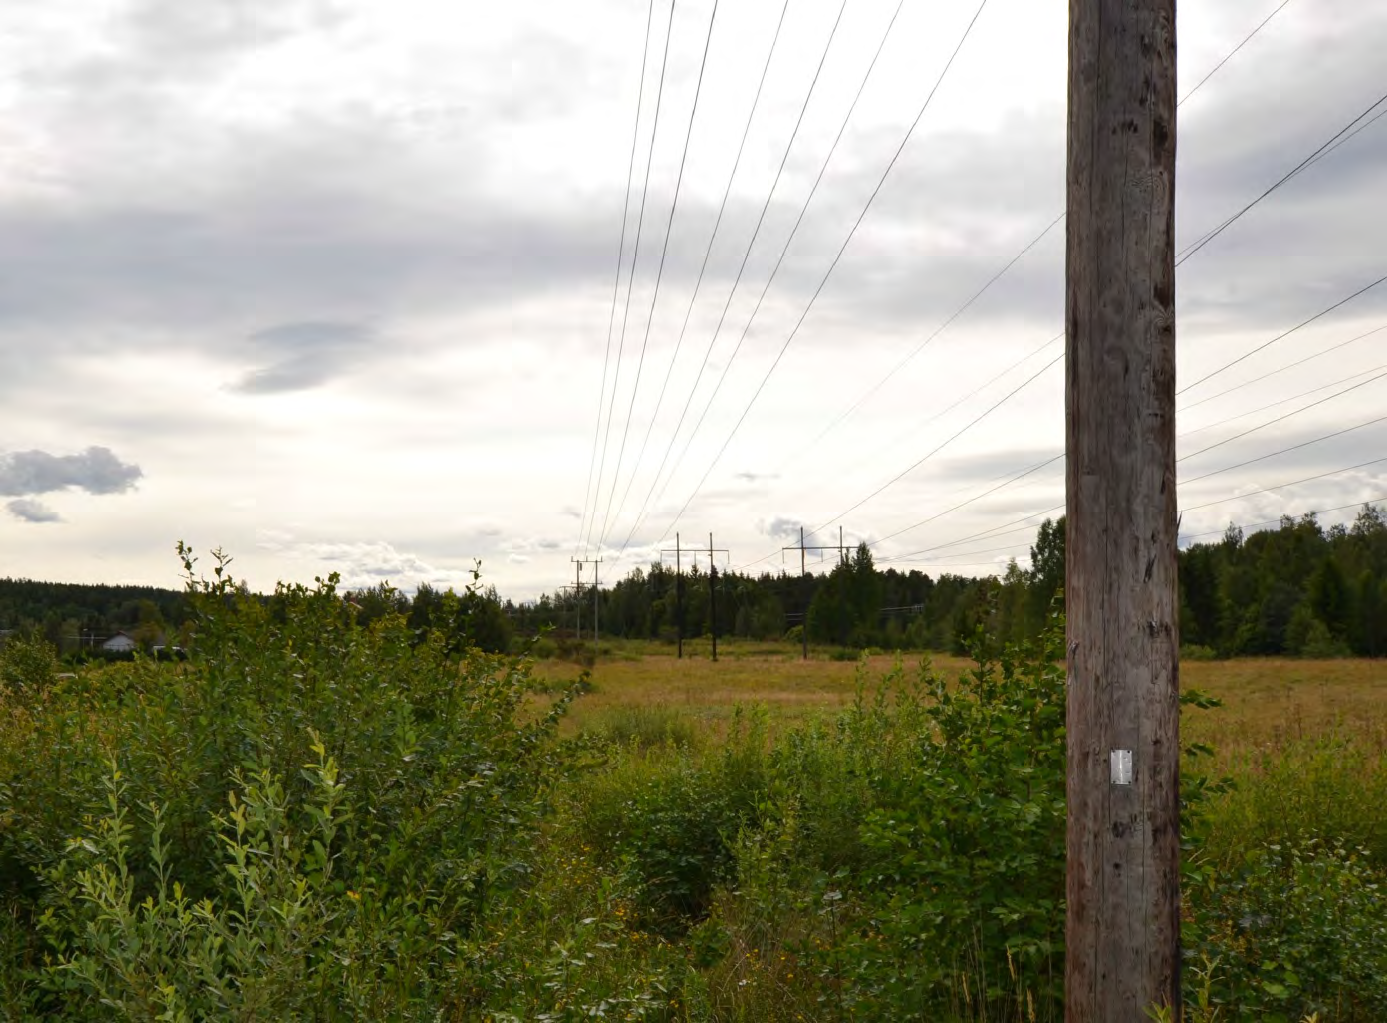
x=842, y=557
x=678, y=592
x=1122, y=930
x=579, y=563
x=577, y=602
x=678, y=551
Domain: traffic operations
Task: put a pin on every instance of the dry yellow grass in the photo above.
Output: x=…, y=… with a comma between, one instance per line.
x=1268, y=701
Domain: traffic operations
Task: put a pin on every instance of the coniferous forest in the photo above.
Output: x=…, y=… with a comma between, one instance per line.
x=1298, y=589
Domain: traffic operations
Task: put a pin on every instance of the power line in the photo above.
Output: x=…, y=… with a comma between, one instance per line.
x=1319, y=152
x=1007, y=481
x=1282, y=401
x=616, y=283
x=1288, y=415
x=707, y=253
x=1283, y=451
x=804, y=208
x=1312, y=158
x=934, y=334
x=1283, y=486
x=940, y=447
x=760, y=220
x=655, y=295
x=631, y=280
x=996, y=531
x=1011, y=263
x=818, y=290
x=1282, y=369
x=1247, y=39
x=1283, y=334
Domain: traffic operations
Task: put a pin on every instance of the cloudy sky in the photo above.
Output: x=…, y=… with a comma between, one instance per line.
x=332, y=283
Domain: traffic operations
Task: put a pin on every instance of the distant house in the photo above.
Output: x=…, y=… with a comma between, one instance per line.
x=120, y=643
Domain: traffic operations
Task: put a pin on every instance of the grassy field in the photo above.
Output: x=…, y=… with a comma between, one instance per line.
x=1268, y=702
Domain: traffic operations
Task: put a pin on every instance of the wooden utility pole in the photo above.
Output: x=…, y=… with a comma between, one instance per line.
x=712, y=596
x=842, y=557
x=1123, y=923
x=712, y=587
x=579, y=563
x=578, y=595
x=678, y=591
x=804, y=622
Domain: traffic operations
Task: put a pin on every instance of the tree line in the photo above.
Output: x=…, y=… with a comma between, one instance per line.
x=1298, y=589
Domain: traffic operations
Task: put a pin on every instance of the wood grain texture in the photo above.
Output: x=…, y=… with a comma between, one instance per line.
x=1122, y=929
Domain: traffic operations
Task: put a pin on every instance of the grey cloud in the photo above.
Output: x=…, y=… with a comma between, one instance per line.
x=304, y=355
x=30, y=510
x=783, y=528
x=159, y=43
x=96, y=470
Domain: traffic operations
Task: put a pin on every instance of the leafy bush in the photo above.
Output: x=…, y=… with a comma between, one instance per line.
x=1195, y=652
x=968, y=842
x=1295, y=929
x=303, y=820
x=28, y=663
x=669, y=817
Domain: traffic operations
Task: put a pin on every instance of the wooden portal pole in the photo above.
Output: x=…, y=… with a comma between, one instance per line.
x=804, y=622
x=713, y=596
x=1123, y=924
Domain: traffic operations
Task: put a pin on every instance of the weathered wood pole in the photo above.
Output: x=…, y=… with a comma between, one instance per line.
x=713, y=596
x=1123, y=926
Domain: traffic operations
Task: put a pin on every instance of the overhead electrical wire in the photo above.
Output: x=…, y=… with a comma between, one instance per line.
x=785, y=248
x=702, y=270
x=838, y=256
x=1288, y=415
x=1007, y=267
x=1232, y=53
x=1009, y=480
x=762, y=218
x=1284, y=334
x=999, y=530
x=1283, y=486
x=1210, y=235
x=994, y=407
x=1282, y=369
x=616, y=283
x=925, y=343
x=1061, y=455
x=631, y=280
x=659, y=276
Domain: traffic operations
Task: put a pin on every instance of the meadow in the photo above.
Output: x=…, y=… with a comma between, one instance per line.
x=1268, y=703
x=315, y=820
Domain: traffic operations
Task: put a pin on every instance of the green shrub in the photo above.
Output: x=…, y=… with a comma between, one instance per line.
x=303, y=820
x=28, y=663
x=1195, y=652
x=968, y=843
x=669, y=816
x=1295, y=929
